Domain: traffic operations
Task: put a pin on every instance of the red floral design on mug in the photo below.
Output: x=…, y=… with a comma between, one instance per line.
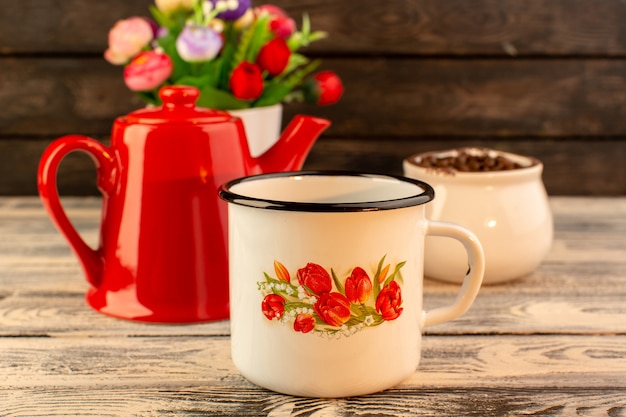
x=304, y=323
x=389, y=301
x=322, y=303
x=273, y=306
x=333, y=308
x=358, y=286
x=315, y=279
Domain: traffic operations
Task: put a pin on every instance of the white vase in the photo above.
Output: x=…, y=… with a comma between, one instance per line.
x=262, y=125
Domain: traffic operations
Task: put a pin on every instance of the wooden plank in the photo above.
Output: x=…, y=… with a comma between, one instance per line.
x=479, y=97
x=603, y=171
x=63, y=312
x=386, y=98
x=202, y=400
x=600, y=162
x=182, y=376
x=42, y=287
x=48, y=26
x=393, y=27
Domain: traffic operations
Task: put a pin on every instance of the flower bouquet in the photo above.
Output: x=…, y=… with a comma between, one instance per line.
x=236, y=55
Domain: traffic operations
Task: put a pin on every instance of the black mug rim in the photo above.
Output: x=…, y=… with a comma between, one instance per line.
x=427, y=194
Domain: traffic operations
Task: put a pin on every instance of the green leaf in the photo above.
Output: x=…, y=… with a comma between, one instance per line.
x=353, y=322
x=292, y=305
x=278, y=88
x=181, y=67
x=356, y=309
x=213, y=98
x=190, y=80
x=261, y=34
x=376, y=288
x=395, y=272
x=160, y=17
x=337, y=282
x=295, y=61
x=226, y=66
x=304, y=37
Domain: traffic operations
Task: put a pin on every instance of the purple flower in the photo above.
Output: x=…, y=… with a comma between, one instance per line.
x=231, y=9
x=198, y=43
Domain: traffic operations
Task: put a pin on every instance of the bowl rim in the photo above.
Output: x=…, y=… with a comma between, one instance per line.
x=530, y=164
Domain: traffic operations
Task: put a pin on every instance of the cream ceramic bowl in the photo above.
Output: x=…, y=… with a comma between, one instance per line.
x=507, y=210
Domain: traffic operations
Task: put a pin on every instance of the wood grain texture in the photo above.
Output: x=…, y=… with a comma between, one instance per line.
x=384, y=98
x=195, y=376
x=393, y=27
x=543, y=76
x=550, y=344
x=598, y=165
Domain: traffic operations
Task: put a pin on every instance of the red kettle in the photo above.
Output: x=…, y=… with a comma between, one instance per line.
x=163, y=252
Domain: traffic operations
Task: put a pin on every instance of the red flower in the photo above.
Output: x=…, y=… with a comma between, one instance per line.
x=389, y=301
x=358, y=286
x=246, y=81
x=315, y=279
x=273, y=306
x=324, y=88
x=281, y=24
x=304, y=323
x=274, y=56
x=333, y=308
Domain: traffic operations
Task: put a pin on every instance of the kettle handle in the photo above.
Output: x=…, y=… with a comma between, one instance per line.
x=104, y=160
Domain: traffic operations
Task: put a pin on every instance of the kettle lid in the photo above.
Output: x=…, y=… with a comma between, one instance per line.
x=179, y=106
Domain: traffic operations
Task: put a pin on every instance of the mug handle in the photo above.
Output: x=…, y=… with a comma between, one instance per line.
x=102, y=156
x=471, y=282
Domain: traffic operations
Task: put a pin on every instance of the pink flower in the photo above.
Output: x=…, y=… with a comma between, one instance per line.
x=333, y=308
x=304, y=323
x=274, y=56
x=147, y=71
x=170, y=6
x=198, y=43
x=281, y=24
x=246, y=81
x=389, y=301
x=273, y=306
x=324, y=88
x=358, y=286
x=315, y=278
x=127, y=38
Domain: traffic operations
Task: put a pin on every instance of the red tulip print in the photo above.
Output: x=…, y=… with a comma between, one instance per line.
x=304, y=323
x=273, y=306
x=314, y=278
x=333, y=308
x=323, y=303
x=389, y=301
x=358, y=286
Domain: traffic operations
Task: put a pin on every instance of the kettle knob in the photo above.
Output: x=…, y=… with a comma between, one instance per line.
x=179, y=96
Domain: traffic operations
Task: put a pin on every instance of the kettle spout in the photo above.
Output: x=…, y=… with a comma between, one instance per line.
x=289, y=153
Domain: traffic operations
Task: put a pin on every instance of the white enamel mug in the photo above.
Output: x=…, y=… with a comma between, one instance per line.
x=326, y=277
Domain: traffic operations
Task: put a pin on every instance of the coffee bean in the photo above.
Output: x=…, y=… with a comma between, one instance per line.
x=469, y=161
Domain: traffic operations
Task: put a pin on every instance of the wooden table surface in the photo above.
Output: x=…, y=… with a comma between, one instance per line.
x=552, y=343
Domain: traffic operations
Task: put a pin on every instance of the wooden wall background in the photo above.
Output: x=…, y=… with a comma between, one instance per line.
x=540, y=77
